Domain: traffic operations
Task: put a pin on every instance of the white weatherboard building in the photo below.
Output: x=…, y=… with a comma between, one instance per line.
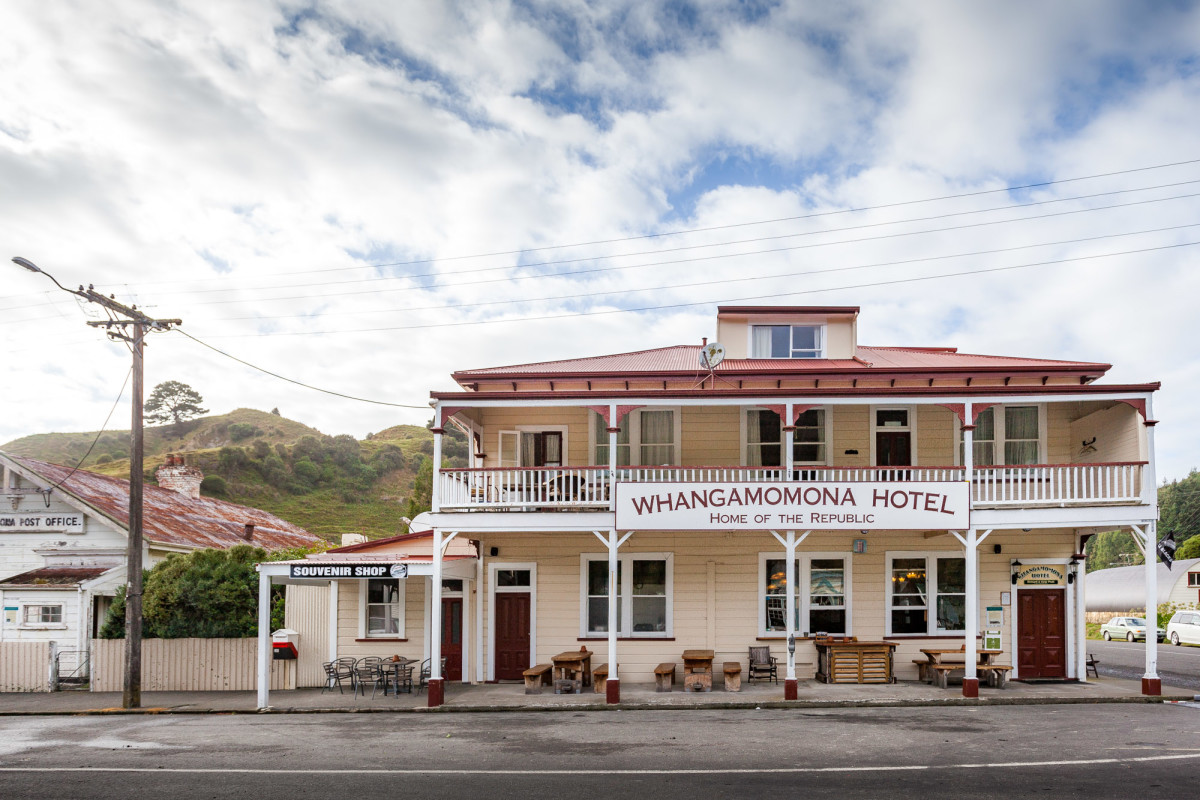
x=789, y=482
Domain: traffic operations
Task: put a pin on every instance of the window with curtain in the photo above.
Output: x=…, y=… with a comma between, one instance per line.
x=786, y=341
x=600, y=428
x=983, y=440
x=1021, y=435
x=642, y=595
x=921, y=583
x=646, y=437
x=657, y=439
x=383, y=607
x=764, y=438
x=820, y=594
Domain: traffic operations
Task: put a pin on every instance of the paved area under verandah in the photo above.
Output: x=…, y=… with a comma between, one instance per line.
x=512, y=697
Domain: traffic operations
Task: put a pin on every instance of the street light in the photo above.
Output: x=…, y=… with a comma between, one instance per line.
x=132, y=693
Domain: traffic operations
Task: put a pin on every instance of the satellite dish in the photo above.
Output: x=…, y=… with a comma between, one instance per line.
x=420, y=523
x=711, y=355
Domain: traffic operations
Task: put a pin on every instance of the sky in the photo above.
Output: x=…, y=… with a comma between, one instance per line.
x=364, y=196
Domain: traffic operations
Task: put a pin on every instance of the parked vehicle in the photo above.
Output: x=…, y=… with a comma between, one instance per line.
x=1131, y=629
x=1184, y=628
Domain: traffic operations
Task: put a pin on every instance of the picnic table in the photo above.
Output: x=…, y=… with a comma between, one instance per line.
x=941, y=661
x=572, y=671
x=697, y=670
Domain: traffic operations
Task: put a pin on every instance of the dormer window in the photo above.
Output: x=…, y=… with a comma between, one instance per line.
x=787, y=341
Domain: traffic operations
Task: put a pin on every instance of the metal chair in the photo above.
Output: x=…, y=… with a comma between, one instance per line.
x=369, y=670
x=401, y=676
x=762, y=665
x=423, y=680
x=334, y=676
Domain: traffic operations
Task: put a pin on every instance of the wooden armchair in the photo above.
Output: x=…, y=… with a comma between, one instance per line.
x=762, y=665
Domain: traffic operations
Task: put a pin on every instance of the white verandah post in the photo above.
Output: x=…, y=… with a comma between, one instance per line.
x=264, y=639
x=610, y=539
x=436, y=684
x=970, y=545
x=1151, y=684
x=789, y=541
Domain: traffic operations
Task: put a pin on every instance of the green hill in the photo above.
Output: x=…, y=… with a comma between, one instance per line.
x=329, y=485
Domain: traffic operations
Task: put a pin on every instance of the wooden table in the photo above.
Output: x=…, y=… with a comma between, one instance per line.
x=697, y=670
x=572, y=671
x=854, y=662
x=396, y=668
x=944, y=656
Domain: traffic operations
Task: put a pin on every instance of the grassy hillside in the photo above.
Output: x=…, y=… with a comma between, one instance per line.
x=329, y=485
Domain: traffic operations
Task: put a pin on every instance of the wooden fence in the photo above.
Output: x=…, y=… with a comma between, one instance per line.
x=188, y=665
x=25, y=666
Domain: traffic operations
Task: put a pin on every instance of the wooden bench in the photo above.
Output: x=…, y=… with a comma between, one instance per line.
x=733, y=676
x=536, y=678
x=996, y=674
x=664, y=677
x=600, y=678
x=923, y=665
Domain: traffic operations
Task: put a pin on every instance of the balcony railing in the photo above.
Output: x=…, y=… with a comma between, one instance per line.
x=590, y=488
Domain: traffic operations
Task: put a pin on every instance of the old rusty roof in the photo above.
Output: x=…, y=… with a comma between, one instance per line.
x=171, y=518
x=54, y=577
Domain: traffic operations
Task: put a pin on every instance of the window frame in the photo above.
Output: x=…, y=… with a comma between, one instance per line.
x=625, y=629
x=517, y=430
x=827, y=432
x=910, y=429
x=1193, y=580
x=931, y=591
x=804, y=597
x=25, y=623
x=364, y=626
x=820, y=351
x=1000, y=438
x=635, y=444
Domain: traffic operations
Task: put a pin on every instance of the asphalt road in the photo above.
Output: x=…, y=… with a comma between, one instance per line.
x=1093, y=751
x=1177, y=666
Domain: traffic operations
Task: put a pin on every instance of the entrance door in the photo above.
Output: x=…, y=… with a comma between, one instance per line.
x=1042, y=633
x=893, y=448
x=452, y=629
x=512, y=635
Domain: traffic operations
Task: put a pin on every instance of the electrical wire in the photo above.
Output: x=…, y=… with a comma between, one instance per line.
x=296, y=382
x=94, y=441
x=774, y=296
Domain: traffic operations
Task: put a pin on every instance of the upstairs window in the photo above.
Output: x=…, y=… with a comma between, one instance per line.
x=764, y=438
x=1011, y=433
x=787, y=341
x=648, y=437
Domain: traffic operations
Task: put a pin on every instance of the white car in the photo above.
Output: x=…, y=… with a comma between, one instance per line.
x=1184, y=628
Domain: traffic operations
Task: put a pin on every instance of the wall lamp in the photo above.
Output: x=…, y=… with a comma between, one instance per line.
x=1016, y=565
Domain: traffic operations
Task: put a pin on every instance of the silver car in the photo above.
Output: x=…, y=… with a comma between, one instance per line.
x=1184, y=628
x=1131, y=629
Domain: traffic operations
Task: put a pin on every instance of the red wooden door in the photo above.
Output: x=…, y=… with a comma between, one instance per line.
x=512, y=635
x=1042, y=633
x=452, y=629
x=893, y=448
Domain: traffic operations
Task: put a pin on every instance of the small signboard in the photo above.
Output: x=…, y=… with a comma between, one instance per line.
x=70, y=522
x=995, y=616
x=1042, y=575
x=331, y=571
x=827, y=505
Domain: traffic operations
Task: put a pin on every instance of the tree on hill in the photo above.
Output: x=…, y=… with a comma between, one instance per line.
x=172, y=401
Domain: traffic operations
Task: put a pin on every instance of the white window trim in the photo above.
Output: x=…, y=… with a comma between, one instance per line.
x=1000, y=438
x=635, y=436
x=912, y=430
x=931, y=593
x=744, y=436
x=625, y=631
x=41, y=626
x=363, y=630
x=493, y=589
x=518, y=430
x=822, y=336
x=804, y=599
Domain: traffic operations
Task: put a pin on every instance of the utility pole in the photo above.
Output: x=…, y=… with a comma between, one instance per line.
x=131, y=327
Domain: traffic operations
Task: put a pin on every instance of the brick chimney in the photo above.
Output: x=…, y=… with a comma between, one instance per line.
x=178, y=477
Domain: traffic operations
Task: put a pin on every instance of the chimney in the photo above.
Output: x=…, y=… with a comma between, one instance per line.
x=352, y=538
x=178, y=477
x=248, y=533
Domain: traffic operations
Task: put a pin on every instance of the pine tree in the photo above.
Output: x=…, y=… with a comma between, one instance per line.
x=172, y=401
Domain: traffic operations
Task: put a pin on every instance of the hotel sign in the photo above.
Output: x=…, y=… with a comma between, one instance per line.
x=70, y=522
x=1042, y=575
x=841, y=505
x=348, y=571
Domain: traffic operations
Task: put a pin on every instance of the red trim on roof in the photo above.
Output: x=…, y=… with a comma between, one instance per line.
x=797, y=310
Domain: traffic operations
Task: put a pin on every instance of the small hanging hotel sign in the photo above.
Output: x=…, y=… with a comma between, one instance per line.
x=348, y=571
x=843, y=505
x=71, y=522
x=1042, y=575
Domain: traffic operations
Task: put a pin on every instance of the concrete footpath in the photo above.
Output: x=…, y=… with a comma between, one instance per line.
x=511, y=697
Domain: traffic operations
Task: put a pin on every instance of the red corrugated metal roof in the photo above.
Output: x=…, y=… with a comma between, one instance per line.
x=685, y=359
x=55, y=576
x=172, y=518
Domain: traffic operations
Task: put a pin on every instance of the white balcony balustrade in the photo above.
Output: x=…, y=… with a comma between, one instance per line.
x=590, y=488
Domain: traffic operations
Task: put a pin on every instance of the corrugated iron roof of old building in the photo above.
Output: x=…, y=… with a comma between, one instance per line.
x=172, y=518
x=685, y=359
x=54, y=577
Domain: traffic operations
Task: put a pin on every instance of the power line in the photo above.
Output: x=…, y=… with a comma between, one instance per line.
x=711, y=302
x=296, y=382
x=99, y=433
x=776, y=276
x=684, y=248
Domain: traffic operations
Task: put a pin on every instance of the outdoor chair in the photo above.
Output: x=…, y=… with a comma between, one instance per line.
x=762, y=665
x=402, y=678
x=334, y=675
x=423, y=680
x=371, y=673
